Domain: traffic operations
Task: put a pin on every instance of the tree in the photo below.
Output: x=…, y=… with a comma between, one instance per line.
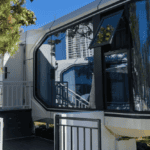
x=12, y=17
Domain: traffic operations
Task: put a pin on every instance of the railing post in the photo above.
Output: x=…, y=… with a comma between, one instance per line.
x=99, y=135
x=56, y=129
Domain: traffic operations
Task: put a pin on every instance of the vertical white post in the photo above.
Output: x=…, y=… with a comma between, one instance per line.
x=75, y=102
x=1, y=133
x=1, y=92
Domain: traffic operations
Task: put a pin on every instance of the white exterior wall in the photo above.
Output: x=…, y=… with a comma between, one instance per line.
x=14, y=65
x=34, y=37
x=15, y=68
x=131, y=127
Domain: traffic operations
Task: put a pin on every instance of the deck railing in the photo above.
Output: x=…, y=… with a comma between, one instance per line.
x=66, y=137
x=68, y=98
x=78, y=100
x=15, y=94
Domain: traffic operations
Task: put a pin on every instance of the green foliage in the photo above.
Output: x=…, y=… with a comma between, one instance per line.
x=12, y=17
x=86, y=70
x=104, y=34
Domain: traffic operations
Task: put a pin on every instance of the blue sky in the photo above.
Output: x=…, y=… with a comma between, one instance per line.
x=46, y=10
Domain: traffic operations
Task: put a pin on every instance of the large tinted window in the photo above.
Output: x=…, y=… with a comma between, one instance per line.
x=116, y=76
x=61, y=45
x=140, y=29
x=80, y=84
x=44, y=67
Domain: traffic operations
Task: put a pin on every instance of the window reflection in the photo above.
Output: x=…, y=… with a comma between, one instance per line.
x=117, y=81
x=78, y=84
x=106, y=29
x=140, y=54
x=43, y=75
x=62, y=45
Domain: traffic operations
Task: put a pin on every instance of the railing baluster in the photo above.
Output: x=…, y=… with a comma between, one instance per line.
x=84, y=136
x=78, y=138
x=99, y=135
x=71, y=137
x=91, y=138
x=64, y=136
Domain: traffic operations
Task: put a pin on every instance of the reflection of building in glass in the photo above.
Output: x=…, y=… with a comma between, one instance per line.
x=77, y=47
x=117, y=81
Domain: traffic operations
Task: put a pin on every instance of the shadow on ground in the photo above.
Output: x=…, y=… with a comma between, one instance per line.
x=29, y=143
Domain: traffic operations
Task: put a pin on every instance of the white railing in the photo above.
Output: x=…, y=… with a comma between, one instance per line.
x=73, y=95
x=15, y=94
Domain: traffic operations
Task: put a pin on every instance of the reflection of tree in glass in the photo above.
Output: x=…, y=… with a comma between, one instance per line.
x=72, y=32
x=104, y=34
x=141, y=65
x=86, y=70
x=76, y=29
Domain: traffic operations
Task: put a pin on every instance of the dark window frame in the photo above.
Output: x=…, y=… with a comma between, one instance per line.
x=35, y=70
x=112, y=36
x=105, y=79
x=66, y=26
x=104, y=48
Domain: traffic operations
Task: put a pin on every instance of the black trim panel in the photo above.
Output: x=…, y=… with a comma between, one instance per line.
x=127, y=116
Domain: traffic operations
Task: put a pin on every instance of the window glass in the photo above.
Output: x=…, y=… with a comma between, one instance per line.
x=80, y=84
x=43, y=74
x=106, y=30
x=140, y=30
x=117, y=81
x=67, y=44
